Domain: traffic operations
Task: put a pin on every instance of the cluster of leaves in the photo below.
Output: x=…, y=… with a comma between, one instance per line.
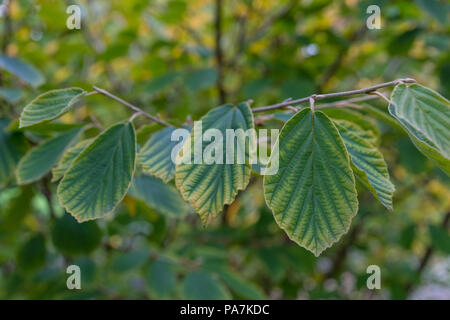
x=313, y=194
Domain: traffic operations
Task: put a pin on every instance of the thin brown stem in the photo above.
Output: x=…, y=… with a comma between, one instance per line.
x=316, y=97
x=131, y=106
x=219, y=51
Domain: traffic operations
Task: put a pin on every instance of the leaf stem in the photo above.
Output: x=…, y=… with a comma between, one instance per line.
x=316, y=97
x=131, y=106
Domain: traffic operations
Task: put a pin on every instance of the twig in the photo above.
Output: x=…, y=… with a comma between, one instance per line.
x=7, y=25
x=342, y=252
x=337, y=104
x=131, y=106
x=219, y=52
x=382, y=96
x=347, y=102
x=316, y=97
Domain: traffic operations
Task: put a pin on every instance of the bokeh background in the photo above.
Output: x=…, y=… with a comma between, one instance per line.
x=164, y=57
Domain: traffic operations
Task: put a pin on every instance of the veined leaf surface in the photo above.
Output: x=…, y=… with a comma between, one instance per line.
x=100, y=176
x=368, y=161
x=425, y=112
x=39, y=160
x=50, y=105
x=208, y=187
x=155, y=156
x=313, y=195
x=67, y=159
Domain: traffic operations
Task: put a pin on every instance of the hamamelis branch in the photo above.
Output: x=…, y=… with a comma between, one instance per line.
x=315, y=97
x=138, y=111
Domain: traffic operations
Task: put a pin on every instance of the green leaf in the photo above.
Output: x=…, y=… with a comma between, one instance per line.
x=370, y=131
x=313, y=195
x=437, y=9
x=50, y=105
x=200, y=79
x=32, y=254
x=208, y=187
x=425, y=115
x=158, y=195
x=73, y=238
x=155, y=157
x=240, y=286
x=67, y=159
x=23, y=70
x=369, y=164
x=39, y=160
x=203, y=286
x=100, y=176
x=161, y=279
x=130, y=260
x=12, y=95
x=440, y=238
x=12, y=146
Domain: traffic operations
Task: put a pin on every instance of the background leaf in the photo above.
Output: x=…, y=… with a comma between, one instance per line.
x=161, y=279
x=12, y=146
x=32, y=254
x=39, y=160
x=73, y=238
x=23, y=70
x=203, y=286
x=239, y=285
x=158, y=195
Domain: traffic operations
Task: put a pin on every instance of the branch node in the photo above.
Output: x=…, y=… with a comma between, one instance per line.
x=312, y=99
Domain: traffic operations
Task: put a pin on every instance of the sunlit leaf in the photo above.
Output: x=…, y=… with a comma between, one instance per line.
x=67, y=159
x=208, y=187
x=50, y=105
x=39, y=160
x=155, y=157
x=369, y=164
x=313, y=195
x=100, y=176
x=425, y=115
